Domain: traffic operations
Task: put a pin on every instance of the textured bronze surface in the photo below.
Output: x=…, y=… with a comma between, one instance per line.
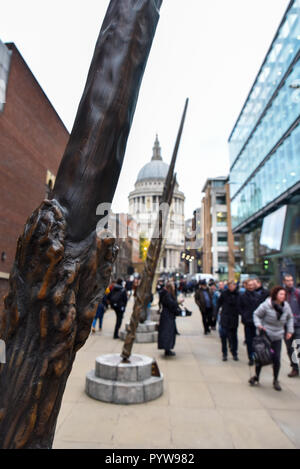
x=62, y=267
x=143, y=292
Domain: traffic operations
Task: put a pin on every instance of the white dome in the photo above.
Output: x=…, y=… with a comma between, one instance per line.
x=156, y=169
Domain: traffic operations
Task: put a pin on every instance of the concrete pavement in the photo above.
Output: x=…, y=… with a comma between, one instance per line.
x=206, y=403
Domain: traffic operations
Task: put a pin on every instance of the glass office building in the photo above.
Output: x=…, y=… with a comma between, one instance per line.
x=265, y=156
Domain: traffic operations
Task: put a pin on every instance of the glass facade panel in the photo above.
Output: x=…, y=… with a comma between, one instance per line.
x=281, y=55
x=283, y=112
x=279, y=173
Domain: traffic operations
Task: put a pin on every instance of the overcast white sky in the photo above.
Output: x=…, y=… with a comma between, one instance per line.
x=207, y=50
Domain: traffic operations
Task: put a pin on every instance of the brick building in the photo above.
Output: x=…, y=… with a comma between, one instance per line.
x=32, y=142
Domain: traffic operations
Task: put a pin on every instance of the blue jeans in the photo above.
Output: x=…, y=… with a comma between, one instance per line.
x=99, y=315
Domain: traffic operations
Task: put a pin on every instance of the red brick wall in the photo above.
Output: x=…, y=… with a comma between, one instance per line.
x=32, y=140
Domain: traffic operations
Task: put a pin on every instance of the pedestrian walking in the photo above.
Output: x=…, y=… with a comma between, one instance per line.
x=274, y=316
x=229, y=320
x=215, y=296
x=262, y=293
x=129, y=286
x=100, y=314
x=118, y=301
x=293, y=344
x=203, y=298
x=167, y=324
x=249, y=301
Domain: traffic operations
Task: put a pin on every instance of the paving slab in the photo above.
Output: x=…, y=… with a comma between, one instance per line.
x=199, y=428
x=144, y=429
x=289, y=422
x=254, y=429
x=190, y=394
x=89, y=424
x=233, y=396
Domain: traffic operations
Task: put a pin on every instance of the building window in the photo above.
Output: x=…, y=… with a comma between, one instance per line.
x=218, y=183
x=221, y=199
x=221, y=218
x=50, y=181
x=222, y=239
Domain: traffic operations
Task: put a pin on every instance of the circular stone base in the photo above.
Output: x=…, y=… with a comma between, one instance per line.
x=141, y=337
x=154, y=315
x=123, y=383
x=146, y=333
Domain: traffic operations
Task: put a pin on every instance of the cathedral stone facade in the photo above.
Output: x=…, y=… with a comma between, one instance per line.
x=144, y=205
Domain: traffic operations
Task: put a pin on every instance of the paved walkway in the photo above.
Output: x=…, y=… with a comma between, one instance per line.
x=206, y=403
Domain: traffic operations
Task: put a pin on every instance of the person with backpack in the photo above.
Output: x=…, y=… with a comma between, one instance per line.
x=118, y=301
x=274, y=316
x=293, y=298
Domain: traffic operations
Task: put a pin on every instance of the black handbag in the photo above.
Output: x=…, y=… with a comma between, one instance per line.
x=182, y=311
x=263, y=353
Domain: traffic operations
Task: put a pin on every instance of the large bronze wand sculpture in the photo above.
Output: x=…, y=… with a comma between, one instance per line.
x=143, y=292
x=61, y=267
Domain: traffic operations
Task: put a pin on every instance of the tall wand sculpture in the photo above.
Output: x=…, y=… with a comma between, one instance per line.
x=143, y=292
x=62, y=267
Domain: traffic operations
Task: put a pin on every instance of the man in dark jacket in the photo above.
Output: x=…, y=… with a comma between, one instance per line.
x=229, y=319
x=249, y=301
x=292, y=345
x=118, y=301
x=204, y=300
x=262, y=292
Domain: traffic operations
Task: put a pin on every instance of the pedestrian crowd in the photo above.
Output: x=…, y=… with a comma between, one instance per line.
x=274, y=314
x=271, y=315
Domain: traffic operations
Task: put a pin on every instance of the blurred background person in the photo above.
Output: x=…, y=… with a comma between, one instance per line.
x=203, y=298
x=118, y=301
x=249, y=301
x=129, y=286
x=293, y=344
x=100, y=314
x=262, y=292
x=167, y=323
x=229, y=319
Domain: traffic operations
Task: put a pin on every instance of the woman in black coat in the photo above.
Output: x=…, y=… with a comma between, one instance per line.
x=167, y=325
x=229, y=320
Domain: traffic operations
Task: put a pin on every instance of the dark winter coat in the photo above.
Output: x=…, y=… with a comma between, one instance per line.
x=229, y=302
x=262, y=294
x=293, y=298
x=200, y=299
x=249, y=301
x=118, y=298
x=167, y=325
